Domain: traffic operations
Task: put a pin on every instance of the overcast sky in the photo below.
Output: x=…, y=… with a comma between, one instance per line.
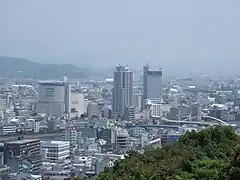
x=172, y=34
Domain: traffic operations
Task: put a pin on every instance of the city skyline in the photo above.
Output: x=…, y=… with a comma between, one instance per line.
x=176, y=38
x=129, y=89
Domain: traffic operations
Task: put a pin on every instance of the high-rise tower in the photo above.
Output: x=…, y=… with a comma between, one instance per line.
x=122, y=89
x=152, y=83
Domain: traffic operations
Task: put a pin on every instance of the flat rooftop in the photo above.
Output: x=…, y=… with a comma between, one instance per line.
x=22, y=141
x=56, y=142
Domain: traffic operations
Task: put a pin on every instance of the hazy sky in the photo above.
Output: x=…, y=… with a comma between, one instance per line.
x=167, y=33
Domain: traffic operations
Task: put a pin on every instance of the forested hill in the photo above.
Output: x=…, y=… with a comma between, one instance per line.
x=22, y=68
x=212, y=154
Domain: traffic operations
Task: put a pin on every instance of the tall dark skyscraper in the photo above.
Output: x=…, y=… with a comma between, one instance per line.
x=152, y=83
x=122, y=89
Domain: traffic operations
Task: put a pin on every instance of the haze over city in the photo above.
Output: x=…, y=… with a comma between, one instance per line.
x=119, y=90
x=178, y=36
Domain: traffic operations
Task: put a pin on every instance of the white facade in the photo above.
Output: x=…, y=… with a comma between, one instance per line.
x=56, y=150
x=156, y=110
x=77, y=104
x=32, y=124
x=9, y=129
x=155, y=107
x=26, y=176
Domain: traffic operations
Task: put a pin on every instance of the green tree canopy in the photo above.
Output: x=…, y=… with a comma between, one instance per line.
x=211, y=154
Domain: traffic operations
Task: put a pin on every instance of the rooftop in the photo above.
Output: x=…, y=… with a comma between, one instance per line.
x=56, y=142
x=22, y=141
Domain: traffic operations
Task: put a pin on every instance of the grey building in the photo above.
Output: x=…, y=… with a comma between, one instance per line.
x=122, y=89
x=138, y=100
x=23, y=155
x=107, y=134
x=152, y=83
x=54, y=98
x=129, y=113
x=195, y=110
x=173, y=113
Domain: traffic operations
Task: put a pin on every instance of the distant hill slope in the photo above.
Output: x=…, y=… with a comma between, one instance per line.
x=17, y=67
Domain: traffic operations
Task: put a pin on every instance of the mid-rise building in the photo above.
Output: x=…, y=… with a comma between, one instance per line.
x=56, y=151
x=122, y=139
x=77, y=104
x=23, y=155
x=155, y=107
x=107, y=134
x=129, y=113
x=71, y=136
x=8, y=128
x=195, y=110
x=174, y=113
x=122, y=90
x=54, y=98
x=93, y=110
x=33, y=125
x=138, y=99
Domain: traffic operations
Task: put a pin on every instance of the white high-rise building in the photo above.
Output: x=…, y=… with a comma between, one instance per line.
x=122, y=89
x=152, y=83
x=54, y=98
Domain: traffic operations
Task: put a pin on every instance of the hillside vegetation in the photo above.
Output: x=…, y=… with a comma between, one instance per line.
x=22, y=68
x=211, y=154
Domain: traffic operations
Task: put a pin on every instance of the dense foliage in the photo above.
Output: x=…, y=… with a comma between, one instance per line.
x=211, y=154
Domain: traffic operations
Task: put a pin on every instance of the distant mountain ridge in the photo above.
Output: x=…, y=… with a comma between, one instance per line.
x=17, y=67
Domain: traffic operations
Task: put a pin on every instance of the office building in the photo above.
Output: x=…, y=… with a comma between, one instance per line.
x=122, y=90
x=71, y=136
x=174, y=113
x=93, y=110
x=138, y=99
x=107, y=134
x=23, y=155
x=195, y=110
x=54, y=98
x=77, y=104
x=152, y=83
x=122, y=139
x=155, y=107
x=129, y=113
x=32, y=125
x=56, y=151
x=3, y=103
x=8, y=128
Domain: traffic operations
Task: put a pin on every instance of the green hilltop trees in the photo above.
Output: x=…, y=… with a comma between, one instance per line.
x=211, y=154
